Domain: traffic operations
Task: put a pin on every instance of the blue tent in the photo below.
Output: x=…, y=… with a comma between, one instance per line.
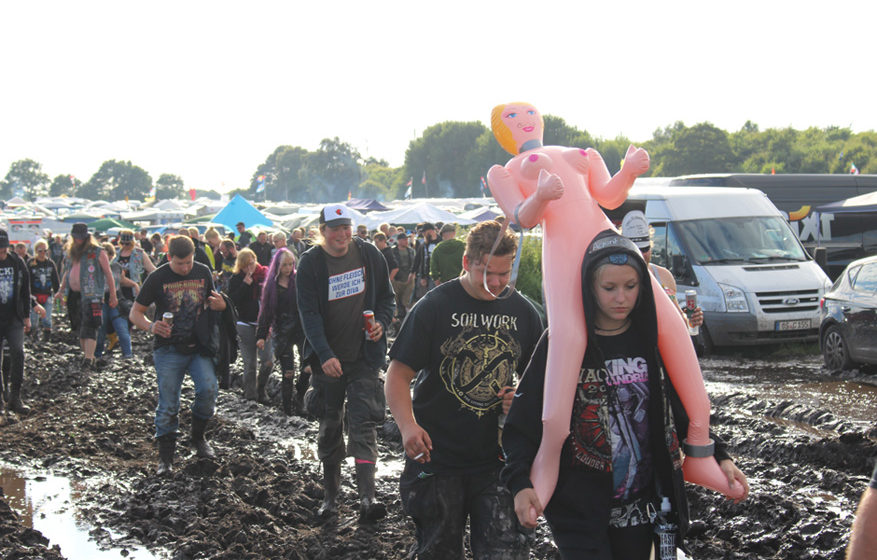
x=239, y=210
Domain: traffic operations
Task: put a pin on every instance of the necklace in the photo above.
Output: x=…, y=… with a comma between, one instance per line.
x=624, y=324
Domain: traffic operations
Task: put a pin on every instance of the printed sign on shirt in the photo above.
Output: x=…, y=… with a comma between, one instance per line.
x=347, y=284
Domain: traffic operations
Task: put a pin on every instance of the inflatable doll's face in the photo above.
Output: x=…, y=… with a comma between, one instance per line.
x=524, y=121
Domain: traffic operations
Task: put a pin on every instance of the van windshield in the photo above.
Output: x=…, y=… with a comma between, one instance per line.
x=740, y=240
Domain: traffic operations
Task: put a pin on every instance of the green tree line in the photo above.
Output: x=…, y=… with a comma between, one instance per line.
x=450, y=158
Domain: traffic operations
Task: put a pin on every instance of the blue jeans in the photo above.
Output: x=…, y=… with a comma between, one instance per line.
x=170, y=367
x=46, y=322
x=111, y=316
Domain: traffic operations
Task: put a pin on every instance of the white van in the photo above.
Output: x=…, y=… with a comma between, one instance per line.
x=754, y=280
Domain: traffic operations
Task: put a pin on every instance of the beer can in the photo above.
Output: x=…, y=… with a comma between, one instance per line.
x=690, y=306
x=691, y=299
x=368, y=319
x=168, y=318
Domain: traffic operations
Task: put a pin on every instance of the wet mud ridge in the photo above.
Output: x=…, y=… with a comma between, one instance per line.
x=807, y=462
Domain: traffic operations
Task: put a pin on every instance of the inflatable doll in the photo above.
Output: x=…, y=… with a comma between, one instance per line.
x=563, y=188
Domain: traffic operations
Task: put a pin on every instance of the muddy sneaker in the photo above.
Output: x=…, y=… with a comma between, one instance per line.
x=88, y=365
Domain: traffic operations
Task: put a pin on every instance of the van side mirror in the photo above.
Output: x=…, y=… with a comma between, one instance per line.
x=682, y=271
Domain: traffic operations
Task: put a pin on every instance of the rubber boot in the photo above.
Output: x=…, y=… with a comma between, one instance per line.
x=166, y=446
x=262, y=381
x=301, y=387
x=369, y=508
x=202, y=448
x=286, y=391
x=331, y=485
x=14, y=404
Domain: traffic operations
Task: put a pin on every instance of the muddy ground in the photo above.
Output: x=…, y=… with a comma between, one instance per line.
x=805, y=438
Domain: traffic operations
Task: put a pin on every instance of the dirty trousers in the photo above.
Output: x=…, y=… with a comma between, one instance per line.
x=362, y=388
x=440, y=503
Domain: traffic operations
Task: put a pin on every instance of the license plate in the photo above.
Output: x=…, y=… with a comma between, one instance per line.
x=799, y=325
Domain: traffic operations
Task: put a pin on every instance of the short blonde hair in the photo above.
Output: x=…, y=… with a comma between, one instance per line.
x=194, y=233
x=245, y=257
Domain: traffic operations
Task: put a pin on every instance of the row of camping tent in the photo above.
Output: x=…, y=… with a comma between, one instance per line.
x=28, y=221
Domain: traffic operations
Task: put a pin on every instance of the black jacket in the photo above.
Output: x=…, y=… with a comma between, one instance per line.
x=522, y=433
x=312, y=294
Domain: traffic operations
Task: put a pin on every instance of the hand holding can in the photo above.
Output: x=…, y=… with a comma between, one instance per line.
x=369, y=322
x=690, y=307
x=168, y=318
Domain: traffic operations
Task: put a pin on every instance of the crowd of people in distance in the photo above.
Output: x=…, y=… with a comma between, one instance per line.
x=321, y=305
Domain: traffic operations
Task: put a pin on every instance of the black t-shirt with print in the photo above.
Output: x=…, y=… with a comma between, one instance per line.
x=42, y=277
x=615, y=396
x=184, y=296
x=7, y=290
x=464, y=350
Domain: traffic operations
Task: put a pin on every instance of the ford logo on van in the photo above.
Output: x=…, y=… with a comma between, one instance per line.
x=791, y=301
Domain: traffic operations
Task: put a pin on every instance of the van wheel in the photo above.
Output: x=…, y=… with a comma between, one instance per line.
x=835, y=351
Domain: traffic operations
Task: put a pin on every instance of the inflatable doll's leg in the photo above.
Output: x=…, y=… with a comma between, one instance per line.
x=566, y=349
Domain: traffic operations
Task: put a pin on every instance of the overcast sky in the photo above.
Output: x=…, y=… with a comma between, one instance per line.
x=207, y=90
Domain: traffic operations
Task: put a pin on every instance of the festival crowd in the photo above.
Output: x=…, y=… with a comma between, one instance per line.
x=463, y=378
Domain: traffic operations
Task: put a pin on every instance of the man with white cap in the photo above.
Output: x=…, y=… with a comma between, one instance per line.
x=635, y=227
x=337, y=280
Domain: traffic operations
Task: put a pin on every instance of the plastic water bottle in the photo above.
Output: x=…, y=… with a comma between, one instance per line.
x=666, y=532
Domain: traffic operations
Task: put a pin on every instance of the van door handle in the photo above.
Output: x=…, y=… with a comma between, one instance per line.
x=845, y=308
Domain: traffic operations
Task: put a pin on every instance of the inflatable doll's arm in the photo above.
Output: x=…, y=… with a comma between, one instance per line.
x=611, y=192
x=526, y=212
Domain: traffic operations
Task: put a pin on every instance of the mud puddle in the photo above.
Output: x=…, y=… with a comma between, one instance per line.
x=47, y=503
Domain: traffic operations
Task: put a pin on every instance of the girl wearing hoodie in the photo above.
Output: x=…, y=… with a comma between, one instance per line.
x=623, y=452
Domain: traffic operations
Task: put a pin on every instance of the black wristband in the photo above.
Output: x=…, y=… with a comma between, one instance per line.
x=697, y=451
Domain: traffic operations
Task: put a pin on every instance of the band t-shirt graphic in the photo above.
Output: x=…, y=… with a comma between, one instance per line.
x=465, y=351
x=184, y=296
x=7, y=285
x=610, y=429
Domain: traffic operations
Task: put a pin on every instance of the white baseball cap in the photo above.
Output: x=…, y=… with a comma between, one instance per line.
x=635, y=227
x=336, y=215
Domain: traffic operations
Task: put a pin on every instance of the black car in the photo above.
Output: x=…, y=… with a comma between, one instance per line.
x=848, y=330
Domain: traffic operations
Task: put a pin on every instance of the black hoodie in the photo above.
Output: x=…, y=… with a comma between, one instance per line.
x=583, y=496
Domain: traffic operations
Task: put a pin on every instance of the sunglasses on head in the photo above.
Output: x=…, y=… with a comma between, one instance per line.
x=618, y=258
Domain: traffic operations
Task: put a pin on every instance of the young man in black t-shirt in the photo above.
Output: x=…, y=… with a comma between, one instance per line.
x=466, y=348
x=185, y=289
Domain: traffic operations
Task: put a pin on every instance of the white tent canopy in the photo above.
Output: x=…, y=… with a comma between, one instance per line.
x=415, y=214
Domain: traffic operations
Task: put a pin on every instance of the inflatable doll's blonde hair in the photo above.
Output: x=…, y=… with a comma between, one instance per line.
x=501, y=132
